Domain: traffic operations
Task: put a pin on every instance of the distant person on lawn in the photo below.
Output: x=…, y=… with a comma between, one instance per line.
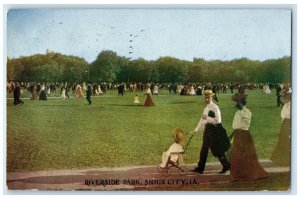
x=43, y=93
x=63, y=92
x=278, y=94
x=89, y=93
x=148, y=101
x=136, y=99
x=121, y=89
x=78, y=92
x=17, y=95
x=34, y=94
x=155, y=90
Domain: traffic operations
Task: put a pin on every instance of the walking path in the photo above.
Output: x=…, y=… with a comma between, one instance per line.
x=147, y=178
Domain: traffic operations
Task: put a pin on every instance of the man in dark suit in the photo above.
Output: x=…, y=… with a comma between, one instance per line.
x=17, y=95
x=278, y=94
x=121, y=89
x=214, y=136
x=89, y=93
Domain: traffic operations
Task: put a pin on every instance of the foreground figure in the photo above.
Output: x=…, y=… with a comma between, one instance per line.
x=282, y=152
x=244, y=161
x=176, y=147
x=214, y=136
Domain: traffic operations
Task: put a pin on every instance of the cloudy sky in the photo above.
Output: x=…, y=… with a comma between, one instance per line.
x=224, y=34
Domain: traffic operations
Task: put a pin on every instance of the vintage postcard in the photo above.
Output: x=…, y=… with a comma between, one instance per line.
x=149, y=99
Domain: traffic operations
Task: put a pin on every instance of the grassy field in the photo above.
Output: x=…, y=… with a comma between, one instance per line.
x=65, y=134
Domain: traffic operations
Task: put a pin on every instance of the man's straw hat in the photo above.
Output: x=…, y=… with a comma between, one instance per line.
x=208, y=93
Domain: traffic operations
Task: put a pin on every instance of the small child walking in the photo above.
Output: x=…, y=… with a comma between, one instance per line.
x=136, y=99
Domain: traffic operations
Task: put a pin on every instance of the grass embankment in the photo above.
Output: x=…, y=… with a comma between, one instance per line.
x=65, y=134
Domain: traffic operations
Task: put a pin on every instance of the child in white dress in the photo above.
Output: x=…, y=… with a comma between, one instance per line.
x=136, y=99
x=176, y=147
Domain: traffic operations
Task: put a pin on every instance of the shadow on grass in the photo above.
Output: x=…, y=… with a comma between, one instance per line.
x=133, y=105
x=268, y=107
x=15, y=105
x=59, y=104
x=184, y=102
x=74, y=105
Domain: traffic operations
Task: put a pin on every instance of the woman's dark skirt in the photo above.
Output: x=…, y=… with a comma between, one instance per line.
x=282, y=152
x=244, y=161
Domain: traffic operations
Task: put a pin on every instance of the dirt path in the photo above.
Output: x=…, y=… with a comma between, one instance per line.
x=146, y=178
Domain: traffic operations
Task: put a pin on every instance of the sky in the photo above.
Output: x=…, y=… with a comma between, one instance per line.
x=224, y=34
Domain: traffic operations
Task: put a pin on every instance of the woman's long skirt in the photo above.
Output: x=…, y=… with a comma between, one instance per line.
x=282, y=152
x=244, y=161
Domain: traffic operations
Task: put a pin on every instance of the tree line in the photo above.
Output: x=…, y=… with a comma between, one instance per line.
x=109, y=67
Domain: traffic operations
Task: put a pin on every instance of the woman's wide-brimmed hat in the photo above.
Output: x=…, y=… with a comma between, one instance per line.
x=285, y=95
x=179, y=136
x=208, y=93
x=238, y=97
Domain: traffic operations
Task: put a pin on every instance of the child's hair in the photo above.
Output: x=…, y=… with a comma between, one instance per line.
x=179, y=136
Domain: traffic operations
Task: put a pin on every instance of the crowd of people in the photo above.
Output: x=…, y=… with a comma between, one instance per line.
x=43, y=90
x=243, y=163
x=99, y=88
x=40, y=91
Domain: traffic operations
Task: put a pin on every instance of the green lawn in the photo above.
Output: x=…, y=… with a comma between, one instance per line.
x=65, y=134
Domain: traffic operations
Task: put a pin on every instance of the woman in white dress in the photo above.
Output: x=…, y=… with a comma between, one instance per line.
x=99, y=91
x=268, y=91
x=192, y=90
x=63, y=93
x=155, y=91
x=48, y=91
x=179, y=88
x=79, y=92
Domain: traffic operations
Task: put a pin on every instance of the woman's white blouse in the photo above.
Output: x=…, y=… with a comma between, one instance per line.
x=242, y=119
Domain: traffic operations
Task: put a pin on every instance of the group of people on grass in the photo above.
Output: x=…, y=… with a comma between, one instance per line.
x=243, y=164
x=87, y=89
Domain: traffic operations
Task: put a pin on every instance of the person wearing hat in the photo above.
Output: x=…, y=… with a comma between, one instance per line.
x=278, y=94
x=176, y=147
x=243, y=158
x=89, y=92
x=43, y=93
x=17, y=95
x=214, y=136
x=78, y=92
x=148, y=101
x=282, y=151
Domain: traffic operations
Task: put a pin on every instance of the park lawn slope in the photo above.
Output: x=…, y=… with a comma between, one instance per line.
x=113, y=132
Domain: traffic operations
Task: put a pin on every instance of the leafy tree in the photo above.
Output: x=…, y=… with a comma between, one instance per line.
x=105, y=67
x=47, y=73
x=110, y=67
x=171, y=70
x=30, y=68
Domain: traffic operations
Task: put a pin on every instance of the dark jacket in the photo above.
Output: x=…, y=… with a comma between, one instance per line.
x=218, y=139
